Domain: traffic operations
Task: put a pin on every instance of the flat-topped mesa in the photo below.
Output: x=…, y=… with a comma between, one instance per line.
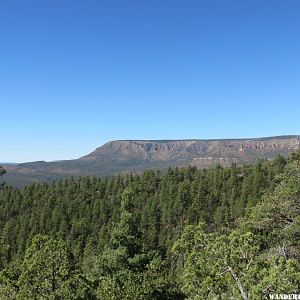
x=132, y=156
x=226, y=150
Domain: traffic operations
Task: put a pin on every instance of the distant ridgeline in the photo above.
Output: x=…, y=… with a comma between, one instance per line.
x=186, y=233
x=133, y=156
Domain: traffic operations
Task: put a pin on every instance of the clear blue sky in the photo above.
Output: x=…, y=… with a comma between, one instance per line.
x=75, y=74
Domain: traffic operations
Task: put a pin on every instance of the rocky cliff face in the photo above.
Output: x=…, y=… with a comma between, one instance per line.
x=134, y=155
x=156, y=150
x=198, y=152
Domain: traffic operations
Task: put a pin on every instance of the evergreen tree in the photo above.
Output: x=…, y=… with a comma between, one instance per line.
x=2, y=171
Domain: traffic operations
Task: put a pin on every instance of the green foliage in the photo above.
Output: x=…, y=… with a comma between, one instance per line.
x=259, y=257
x=84, y=211
x=45, y=270
x=45, y=273
x=216, y=265
x=219, y=233
x=125, y=270
x=233, y=266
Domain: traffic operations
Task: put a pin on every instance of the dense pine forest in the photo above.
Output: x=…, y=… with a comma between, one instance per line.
x=185, y=233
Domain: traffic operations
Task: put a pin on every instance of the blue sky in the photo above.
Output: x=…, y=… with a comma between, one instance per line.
x=75, y=74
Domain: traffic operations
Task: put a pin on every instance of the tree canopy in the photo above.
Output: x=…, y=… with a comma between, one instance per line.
x=219, y=233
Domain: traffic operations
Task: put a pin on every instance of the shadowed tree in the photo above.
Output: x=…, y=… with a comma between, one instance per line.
x=2, y=170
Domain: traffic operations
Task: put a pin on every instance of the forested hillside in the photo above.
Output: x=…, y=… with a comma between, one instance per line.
x=219, y=233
